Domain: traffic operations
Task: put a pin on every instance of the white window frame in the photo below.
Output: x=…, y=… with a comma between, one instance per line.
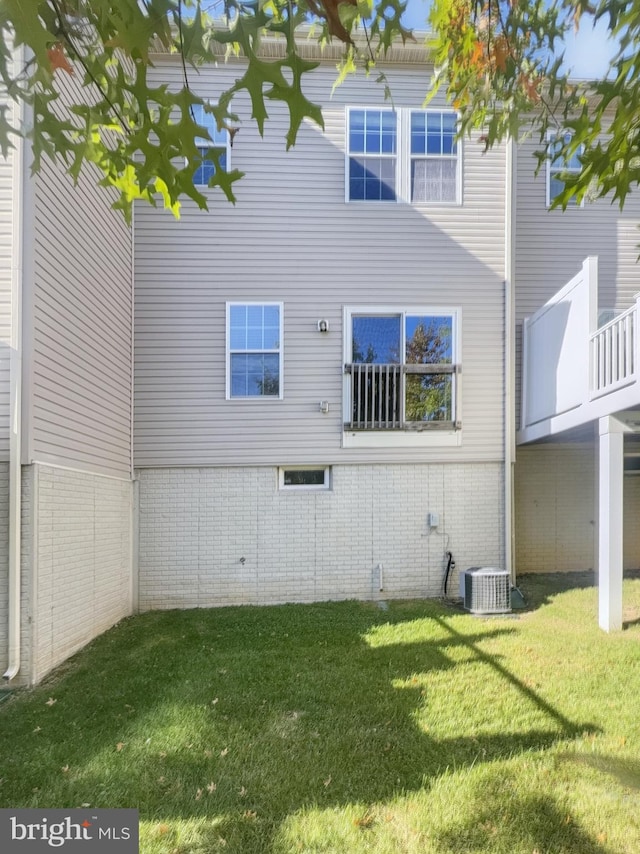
x=230, y=352
x=302, y=487
x=409, y=437
x=395, y=157
x=211, y=144
x=403, y=158
x=551, y=172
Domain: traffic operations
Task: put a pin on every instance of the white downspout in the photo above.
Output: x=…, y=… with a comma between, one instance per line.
x=19, y=177
x=509, y=355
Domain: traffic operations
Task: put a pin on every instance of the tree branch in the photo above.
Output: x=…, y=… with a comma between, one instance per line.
x=78, y=55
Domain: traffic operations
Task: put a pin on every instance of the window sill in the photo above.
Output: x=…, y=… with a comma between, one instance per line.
x=401, y=438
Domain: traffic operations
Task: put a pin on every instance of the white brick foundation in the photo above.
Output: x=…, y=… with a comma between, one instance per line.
x=221, y=536
x=76, y=562
x=4, y=562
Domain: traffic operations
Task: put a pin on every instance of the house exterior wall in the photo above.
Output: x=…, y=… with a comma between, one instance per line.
x=291, y=237
x=76, y=417
x=78, y=314
x=222, y=536
x=208, y=466
x=556, y=517
x=7, y=261
x=77, y=582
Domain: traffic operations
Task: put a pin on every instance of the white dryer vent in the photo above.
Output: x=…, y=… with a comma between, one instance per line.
x=486, y=590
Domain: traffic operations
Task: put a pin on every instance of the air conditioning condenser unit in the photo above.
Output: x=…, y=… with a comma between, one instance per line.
x=486, y=590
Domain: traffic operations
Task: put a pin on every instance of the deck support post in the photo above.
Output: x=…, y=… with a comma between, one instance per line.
x=610, y=522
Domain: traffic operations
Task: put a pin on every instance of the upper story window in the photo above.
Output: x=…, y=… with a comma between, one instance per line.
x=402, y=369
x=403, y=155
x=434, y=157
x=372, y=155
x=558, y=167
x=219, y=143
x=254, y=350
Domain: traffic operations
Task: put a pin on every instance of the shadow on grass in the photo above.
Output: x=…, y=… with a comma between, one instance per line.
x=252, y=714
x=502, y=818
x=539, y=588
x=625, y=771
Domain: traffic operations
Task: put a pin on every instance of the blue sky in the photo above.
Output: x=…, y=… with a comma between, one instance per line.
x=587, y=53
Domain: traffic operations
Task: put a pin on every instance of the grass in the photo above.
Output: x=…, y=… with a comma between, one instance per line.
x=345, y=728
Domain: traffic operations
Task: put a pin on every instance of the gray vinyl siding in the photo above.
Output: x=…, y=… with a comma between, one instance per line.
x=292, y=238
x=79, y=317
x=7, y=190
x=552, y=244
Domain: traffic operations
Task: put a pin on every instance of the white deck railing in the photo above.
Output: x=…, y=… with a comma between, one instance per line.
x=613, y=353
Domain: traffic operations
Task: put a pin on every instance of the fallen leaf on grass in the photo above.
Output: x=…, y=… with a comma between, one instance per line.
x=327, y=781
x=51, y=702
x=211, y=788
x=198, y=794
x=65, y=768
x=119, y=746
x=162, y=829
x=37, y=729
x=250, y=815
x=364, y=821
x=242, y=792
x=224, y=752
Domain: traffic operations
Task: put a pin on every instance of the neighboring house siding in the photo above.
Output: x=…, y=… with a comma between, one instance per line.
x=631, y=555
x=292, y=238
x=214, y=536
x=76, y=562
x=6, y=263
x=78, y=389
x=556, y=510
x=7, y=259
x=552, y=244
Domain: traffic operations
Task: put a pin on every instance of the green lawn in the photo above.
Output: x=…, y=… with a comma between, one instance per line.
x=346, y=728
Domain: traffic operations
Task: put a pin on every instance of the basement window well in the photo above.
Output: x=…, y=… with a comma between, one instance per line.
x=304, y=477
